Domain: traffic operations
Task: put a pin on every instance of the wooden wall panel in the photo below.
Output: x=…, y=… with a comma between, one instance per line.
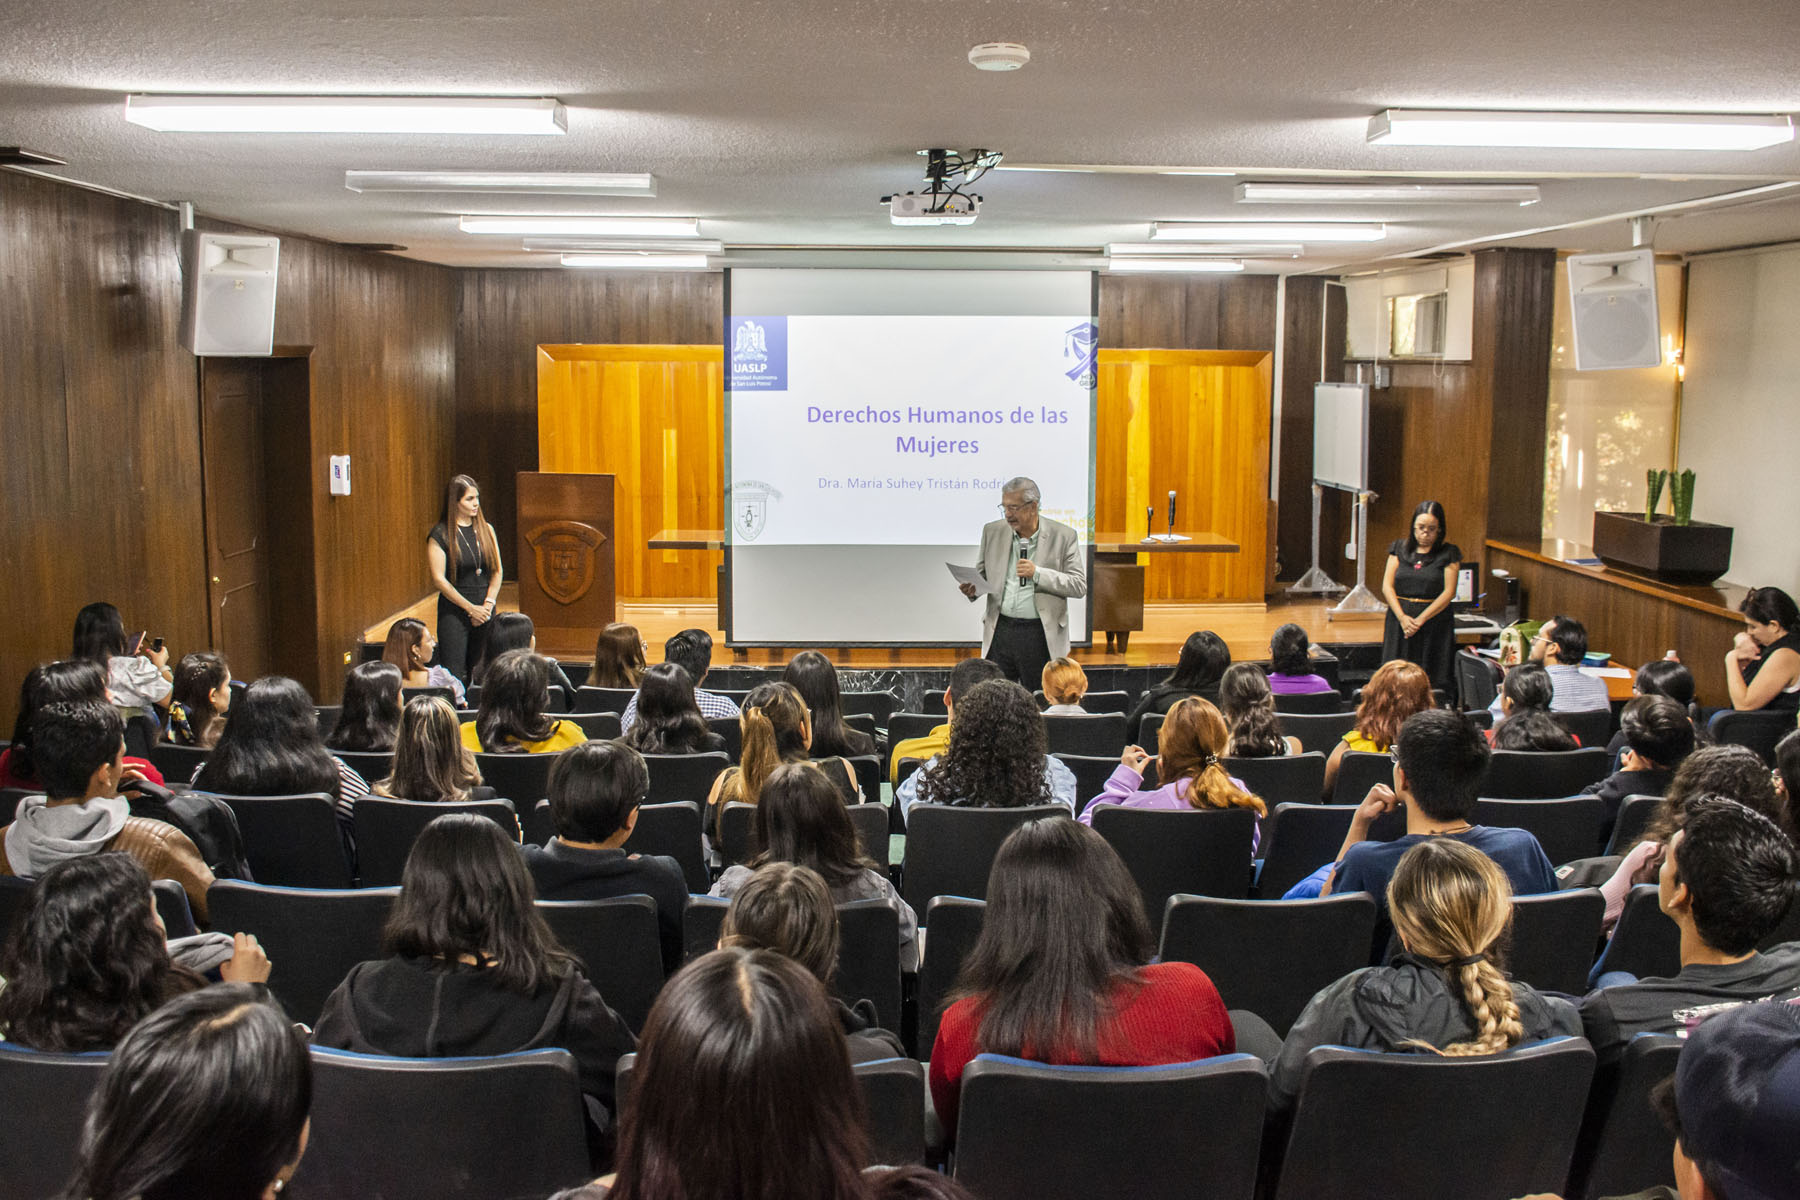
x=1309, y=303
x=653, y=417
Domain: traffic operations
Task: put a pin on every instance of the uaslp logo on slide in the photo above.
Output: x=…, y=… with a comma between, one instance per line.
x=750, y=508
x=759, y=354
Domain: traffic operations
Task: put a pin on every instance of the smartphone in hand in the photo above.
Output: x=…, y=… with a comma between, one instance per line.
x=134, y=643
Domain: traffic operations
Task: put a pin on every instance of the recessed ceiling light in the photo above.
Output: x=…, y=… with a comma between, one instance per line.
x=1580, y=130
x=1206, y=266
x=347, y=114
x=1196, y=249
x=574, y=183
x=585, y=226
x=638, y=261
x=566, y=245
x=999, y=56
x=1387, y=193
x=1268, y=231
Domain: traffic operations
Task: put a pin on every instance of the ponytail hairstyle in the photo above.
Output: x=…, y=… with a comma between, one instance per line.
x=460, y=486
x=1191, y=743
x=1248, y=707
x=1451, y=905
x=430, y=761
x=777, y=729
x=197, y=677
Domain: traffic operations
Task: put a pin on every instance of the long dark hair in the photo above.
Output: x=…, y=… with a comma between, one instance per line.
x=1248, y=707
x=1204, y=657
x=800, y=819
x=1427, y=508
x=370, y=718
x=205, y=1100
x=99, y=634
x=86, y=960
x=513, y=703
x=465, y=890
x=62, y=682
x=197, y=677
x=668, y=719
x=1065, y=926
x=996, y=754
x=458, y=487
x=749, y=1038
x=618, y=657
x=813, y=676
x=271, y=746
x=506, y=631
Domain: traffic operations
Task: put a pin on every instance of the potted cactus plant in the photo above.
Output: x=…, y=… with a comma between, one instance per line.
x=1673, y=548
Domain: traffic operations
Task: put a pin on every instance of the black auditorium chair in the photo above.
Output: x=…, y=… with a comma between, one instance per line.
x=522, y=778
x=955, y=924
x=1544, y=774
x=15, y=893
x=1567, y=829
x=903, y=771
x=598, y=727
x=1270, y=956
x=292, y=841
x=600, y=699
x=871, y=824
x=178, y=764
x=619, y=947
x=1360, y=770
x=1094, y=735
x=701, y=923
x=1026, y=1131
x=868, y=768
x=1298, y=839
x=1091, y=773
x=869, y=958
x=1302, y=703
x=372, y=765
x=172, y=906
x=40, y=1125
x=863, y=723
x=1624, y=1147
x=1759, y=729
x=1295, y=778
x=732, y=731
x=1149, y=728
x=1203, y=852
x=949, y=850
x=1553, y=939
x=1646, y=941
x=447, y=1129
x=326, y=715
x=386, y=829
x=1477, y=680
x=903, y=726
x=447, y=695
x=672, y=830
x=1591, y=727
x=932, y=703
x=1317, y=731
x=1107, y=702
x=313, y=936
x=1631, y=820
x=737, y=842
x=879, y=705
x=1356, y=1132
x=679, y=777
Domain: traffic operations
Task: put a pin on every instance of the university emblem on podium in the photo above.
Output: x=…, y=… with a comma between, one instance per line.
x=563, y=552
x=750, y=508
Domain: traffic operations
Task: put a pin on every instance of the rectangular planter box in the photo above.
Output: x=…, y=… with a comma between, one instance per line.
x=1693, y=554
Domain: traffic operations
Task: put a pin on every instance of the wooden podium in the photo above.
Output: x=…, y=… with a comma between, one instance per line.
x=565, y=561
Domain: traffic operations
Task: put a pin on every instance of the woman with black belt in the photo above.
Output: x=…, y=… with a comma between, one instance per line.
x=1419, y=583
x=465, y=568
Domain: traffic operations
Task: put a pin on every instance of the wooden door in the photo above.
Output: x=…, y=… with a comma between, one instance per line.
x=237, y=533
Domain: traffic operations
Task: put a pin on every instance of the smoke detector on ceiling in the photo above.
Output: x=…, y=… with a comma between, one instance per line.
x=999, y=56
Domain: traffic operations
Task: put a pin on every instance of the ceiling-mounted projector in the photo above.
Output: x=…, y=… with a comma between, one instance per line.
x=914, y=208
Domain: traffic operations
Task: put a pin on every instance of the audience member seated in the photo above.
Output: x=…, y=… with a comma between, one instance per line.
x=812, y=675
x=668, y=720
x=207, y=1098
x=618, y=657
x=1526, y=723
x=1198, y=670
x=1440, y=759
x=1787, y=779
x=78, y=750
x=1762, y=669
x=515, y=631
x=1664, y=677
x=1248, y=707
x=1290, y=664
x=1733, y=1107
x=691, y=650
x=997, y=757
x=271, y=747
x=431, y=764
x=800, y=819
x=89, y=957
x=369, y=719
x=595, y=791
x=1560, y=645
x=1446, y=991
x=776, y=730
x=1658, y=739
x=1064, y=684
x=200, y=700
x=137, y=676
x=1061, y=972
x=787, y=908
x=1396, y=691
x=410, y=647
x=963, y=676
x=52, y=683
x=1189, y=748
x=515, y=698
x=473, y=969
x=1727, y=882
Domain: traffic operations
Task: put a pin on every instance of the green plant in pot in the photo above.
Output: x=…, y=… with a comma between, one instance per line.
x=1681, y=495
x=1653, y=481
x=1677, y=549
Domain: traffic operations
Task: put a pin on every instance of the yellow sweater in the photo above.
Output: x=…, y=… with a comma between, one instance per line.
x=565, y=735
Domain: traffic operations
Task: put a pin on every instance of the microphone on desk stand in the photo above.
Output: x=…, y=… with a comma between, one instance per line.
x=1149, y=521
x=1171, y=513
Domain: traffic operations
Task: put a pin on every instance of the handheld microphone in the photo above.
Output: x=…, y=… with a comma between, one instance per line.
x=1171, y=510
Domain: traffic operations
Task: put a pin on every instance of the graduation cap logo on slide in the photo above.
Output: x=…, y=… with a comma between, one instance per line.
x=750, y=508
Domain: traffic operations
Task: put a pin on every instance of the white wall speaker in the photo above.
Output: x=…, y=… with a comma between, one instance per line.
x=228, y=284
x=1612, y=308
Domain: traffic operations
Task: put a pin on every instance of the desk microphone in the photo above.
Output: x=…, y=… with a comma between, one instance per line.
x=1149, y=520
x=1171, y=510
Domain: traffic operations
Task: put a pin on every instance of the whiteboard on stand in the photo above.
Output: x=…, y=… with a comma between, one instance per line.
x=1341, y=435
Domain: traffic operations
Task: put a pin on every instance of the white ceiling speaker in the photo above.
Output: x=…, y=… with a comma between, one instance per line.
x=228, y=294
x=999, y=56
x=1612, y=309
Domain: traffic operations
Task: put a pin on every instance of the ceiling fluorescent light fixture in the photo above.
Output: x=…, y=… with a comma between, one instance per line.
x=605, y=245
x=1209, y=266
x=638, y=260
x=1202, y=249
x=584, y=226
x=1387, y=193
x=1267, y=231
x=566, y=183
x=1580, y=130
x=347, y=114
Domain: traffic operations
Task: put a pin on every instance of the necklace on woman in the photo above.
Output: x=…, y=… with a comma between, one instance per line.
x=472, y=547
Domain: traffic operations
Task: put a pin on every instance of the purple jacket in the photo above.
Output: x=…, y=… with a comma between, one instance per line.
x=1122, y=788
x=1298, y=685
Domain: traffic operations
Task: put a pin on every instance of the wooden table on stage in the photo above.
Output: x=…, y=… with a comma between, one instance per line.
x=1118, y=583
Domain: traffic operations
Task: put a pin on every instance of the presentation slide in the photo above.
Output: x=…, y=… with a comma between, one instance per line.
x=872, y=419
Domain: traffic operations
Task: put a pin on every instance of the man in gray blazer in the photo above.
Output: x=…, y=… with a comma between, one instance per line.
x=1040, y=562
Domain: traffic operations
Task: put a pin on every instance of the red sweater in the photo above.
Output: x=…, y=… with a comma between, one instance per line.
x=1175, y=1016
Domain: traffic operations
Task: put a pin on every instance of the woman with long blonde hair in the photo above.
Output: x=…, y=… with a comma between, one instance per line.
x=1190, y=752
x=1446, y=992
x=1396, y=691
x=430, y=761
x=777, y=729
x=464, y=556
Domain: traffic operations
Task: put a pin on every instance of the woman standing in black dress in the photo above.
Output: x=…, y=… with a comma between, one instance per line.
x=465, y=568
x=1418, y=585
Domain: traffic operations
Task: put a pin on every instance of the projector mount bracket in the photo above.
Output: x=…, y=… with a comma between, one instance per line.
x=948, y=172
